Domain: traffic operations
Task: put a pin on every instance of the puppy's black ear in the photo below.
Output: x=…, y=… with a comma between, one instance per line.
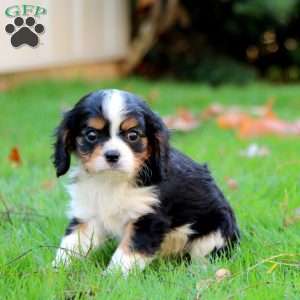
x=159, y=141
x=62, y=147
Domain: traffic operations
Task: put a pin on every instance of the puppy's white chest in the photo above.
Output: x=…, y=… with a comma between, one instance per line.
x=111, y=201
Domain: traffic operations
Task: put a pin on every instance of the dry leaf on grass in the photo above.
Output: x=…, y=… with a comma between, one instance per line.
x=232, y=120
x=216, y=109
x=183, y=120
x=268, y=126
x=15, y=157
x=212, y=111
x=232, y=183
x=259, y=121
x=292, y=219
x=222, y=273
x=251, y=122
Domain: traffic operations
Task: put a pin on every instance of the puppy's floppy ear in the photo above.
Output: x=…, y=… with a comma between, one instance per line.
x=63, y=146
x=159, y=142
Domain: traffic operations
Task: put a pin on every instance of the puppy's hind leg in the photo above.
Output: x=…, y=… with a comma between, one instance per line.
x=201, y=247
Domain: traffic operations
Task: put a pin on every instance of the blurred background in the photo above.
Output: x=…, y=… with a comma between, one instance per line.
x=223, y=74
x=217, y=41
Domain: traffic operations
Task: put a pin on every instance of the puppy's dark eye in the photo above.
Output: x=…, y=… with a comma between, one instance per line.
x=91, y=136
x=133, y=136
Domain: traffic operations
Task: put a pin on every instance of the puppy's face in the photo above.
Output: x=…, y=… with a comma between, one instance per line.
x=112, y=130
x=113, y=144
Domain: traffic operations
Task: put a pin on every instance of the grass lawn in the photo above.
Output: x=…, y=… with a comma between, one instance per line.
x=266, y=266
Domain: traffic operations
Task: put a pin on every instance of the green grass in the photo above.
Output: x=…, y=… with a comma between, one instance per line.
x=268, y=193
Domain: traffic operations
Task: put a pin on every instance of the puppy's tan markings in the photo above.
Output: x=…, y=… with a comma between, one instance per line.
x=82, y=227
x=141, y=157
x=176, y=241
x=125, y=243
x=97, y=123
x=88, y=159
x=129, y=123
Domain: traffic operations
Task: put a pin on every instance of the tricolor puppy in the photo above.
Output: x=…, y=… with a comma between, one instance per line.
x=131, y=185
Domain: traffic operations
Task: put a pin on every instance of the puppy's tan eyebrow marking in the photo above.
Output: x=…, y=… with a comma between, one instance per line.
x=129, y=123
x=97, y=123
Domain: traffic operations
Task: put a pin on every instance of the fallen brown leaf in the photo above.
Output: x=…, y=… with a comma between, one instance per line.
x=232, y=183
x=232, y=120
x=222, y=273
x=15, y=157
x=212, y=111
x=267, y=126
x=183, y=120
x=258, y=121
x=292, y=219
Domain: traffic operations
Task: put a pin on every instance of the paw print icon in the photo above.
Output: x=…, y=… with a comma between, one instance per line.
x=24, y=33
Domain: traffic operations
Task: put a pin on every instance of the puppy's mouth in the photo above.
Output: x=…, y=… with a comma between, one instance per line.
x=114, y=166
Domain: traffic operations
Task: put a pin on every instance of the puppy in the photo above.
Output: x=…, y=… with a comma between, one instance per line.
x=131, y=185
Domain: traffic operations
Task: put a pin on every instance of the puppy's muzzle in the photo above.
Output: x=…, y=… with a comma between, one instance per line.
x=112, y=156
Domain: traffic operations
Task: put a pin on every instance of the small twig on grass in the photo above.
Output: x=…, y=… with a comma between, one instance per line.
x=39, y=247
x=263, y=261
x=284, y=264
x=25, y=214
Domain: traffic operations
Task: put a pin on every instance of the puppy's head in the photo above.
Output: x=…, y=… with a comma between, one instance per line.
x=112, y=130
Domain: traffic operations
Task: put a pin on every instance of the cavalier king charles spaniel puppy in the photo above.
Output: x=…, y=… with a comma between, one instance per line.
x=130, y=184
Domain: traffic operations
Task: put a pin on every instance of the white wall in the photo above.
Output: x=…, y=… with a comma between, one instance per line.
x=76, y=31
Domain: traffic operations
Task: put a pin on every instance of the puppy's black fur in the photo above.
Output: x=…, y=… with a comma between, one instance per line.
x=188, y=195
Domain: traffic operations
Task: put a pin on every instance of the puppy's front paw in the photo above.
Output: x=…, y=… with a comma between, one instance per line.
x=113, y=268
x=62, y=259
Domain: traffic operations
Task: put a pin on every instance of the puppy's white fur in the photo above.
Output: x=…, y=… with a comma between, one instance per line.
x=106, y=202
x=114, y=110
x=201, y=247
x=127, y=261
x=109, y=198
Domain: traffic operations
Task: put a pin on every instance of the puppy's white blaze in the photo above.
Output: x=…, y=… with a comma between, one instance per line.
x=205, y=245
x=127, y=261
x=114, y=110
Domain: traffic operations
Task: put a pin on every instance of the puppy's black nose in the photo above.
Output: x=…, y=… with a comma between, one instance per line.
x=112, y=156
